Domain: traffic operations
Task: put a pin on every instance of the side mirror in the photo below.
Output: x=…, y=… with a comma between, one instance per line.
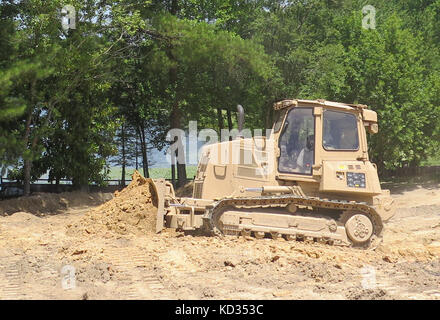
x=373, y=128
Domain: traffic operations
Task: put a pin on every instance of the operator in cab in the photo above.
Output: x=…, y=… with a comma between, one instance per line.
x=306, y=156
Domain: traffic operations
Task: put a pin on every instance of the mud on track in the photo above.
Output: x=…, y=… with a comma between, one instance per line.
x=110, y=264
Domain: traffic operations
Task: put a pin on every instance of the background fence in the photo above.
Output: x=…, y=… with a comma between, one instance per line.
x=410, y=172
x=9, y=188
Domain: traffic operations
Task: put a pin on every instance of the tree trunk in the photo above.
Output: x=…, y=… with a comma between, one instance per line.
x=219, y=119
x=174, y=7
x=145, y=157
x=181, y=174
x=144, y=150
x=136, y=154
x=123, y=155
x=27, y=177
x=269, y=116
x=57, y=184
x=229, y=115
x=181, y=171
x=181, y=166
x=27, y=164
x=173, y=168
x=229, y=119
x=173, y=165
x=28, y=167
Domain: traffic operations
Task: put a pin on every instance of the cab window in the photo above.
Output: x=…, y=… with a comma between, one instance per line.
x=297, y=142
x=278, y=118
x=340, y=131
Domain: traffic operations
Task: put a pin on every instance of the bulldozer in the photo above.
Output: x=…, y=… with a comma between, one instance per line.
x=310, y=179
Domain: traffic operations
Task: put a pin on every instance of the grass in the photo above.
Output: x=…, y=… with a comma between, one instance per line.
x=432, y=161
x=155, y=173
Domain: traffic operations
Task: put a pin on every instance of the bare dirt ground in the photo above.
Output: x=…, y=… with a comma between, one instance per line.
x=108, y=259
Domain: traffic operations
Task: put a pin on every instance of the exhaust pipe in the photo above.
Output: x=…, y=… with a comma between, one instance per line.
x=240, y=111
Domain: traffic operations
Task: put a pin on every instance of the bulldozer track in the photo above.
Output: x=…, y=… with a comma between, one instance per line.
x=143, y=284
x=12, y=289
x=10, y=275
x=17, y=282
x=281, y=201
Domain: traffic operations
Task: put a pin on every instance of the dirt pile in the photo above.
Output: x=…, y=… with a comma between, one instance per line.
x=52, y=203
x=131, y=211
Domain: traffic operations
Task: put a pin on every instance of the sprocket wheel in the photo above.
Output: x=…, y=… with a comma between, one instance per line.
x=360, y=228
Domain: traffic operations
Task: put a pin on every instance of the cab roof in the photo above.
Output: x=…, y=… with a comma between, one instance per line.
x=294, y=102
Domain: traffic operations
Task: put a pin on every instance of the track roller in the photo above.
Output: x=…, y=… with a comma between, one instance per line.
x=259, y=234
x=290, y=237
x=275, y=235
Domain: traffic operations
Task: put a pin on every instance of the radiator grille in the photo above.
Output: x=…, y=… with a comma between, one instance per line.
x=198, y=186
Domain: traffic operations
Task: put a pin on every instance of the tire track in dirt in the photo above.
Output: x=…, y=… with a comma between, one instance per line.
x=397, y=283
x=48, y=276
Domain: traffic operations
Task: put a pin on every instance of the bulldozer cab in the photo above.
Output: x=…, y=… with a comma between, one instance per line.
x=326, y=143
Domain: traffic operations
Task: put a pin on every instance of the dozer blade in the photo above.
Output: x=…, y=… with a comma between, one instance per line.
x=161, y=189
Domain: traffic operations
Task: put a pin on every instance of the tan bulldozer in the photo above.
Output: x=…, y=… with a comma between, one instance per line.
x=309, y=180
